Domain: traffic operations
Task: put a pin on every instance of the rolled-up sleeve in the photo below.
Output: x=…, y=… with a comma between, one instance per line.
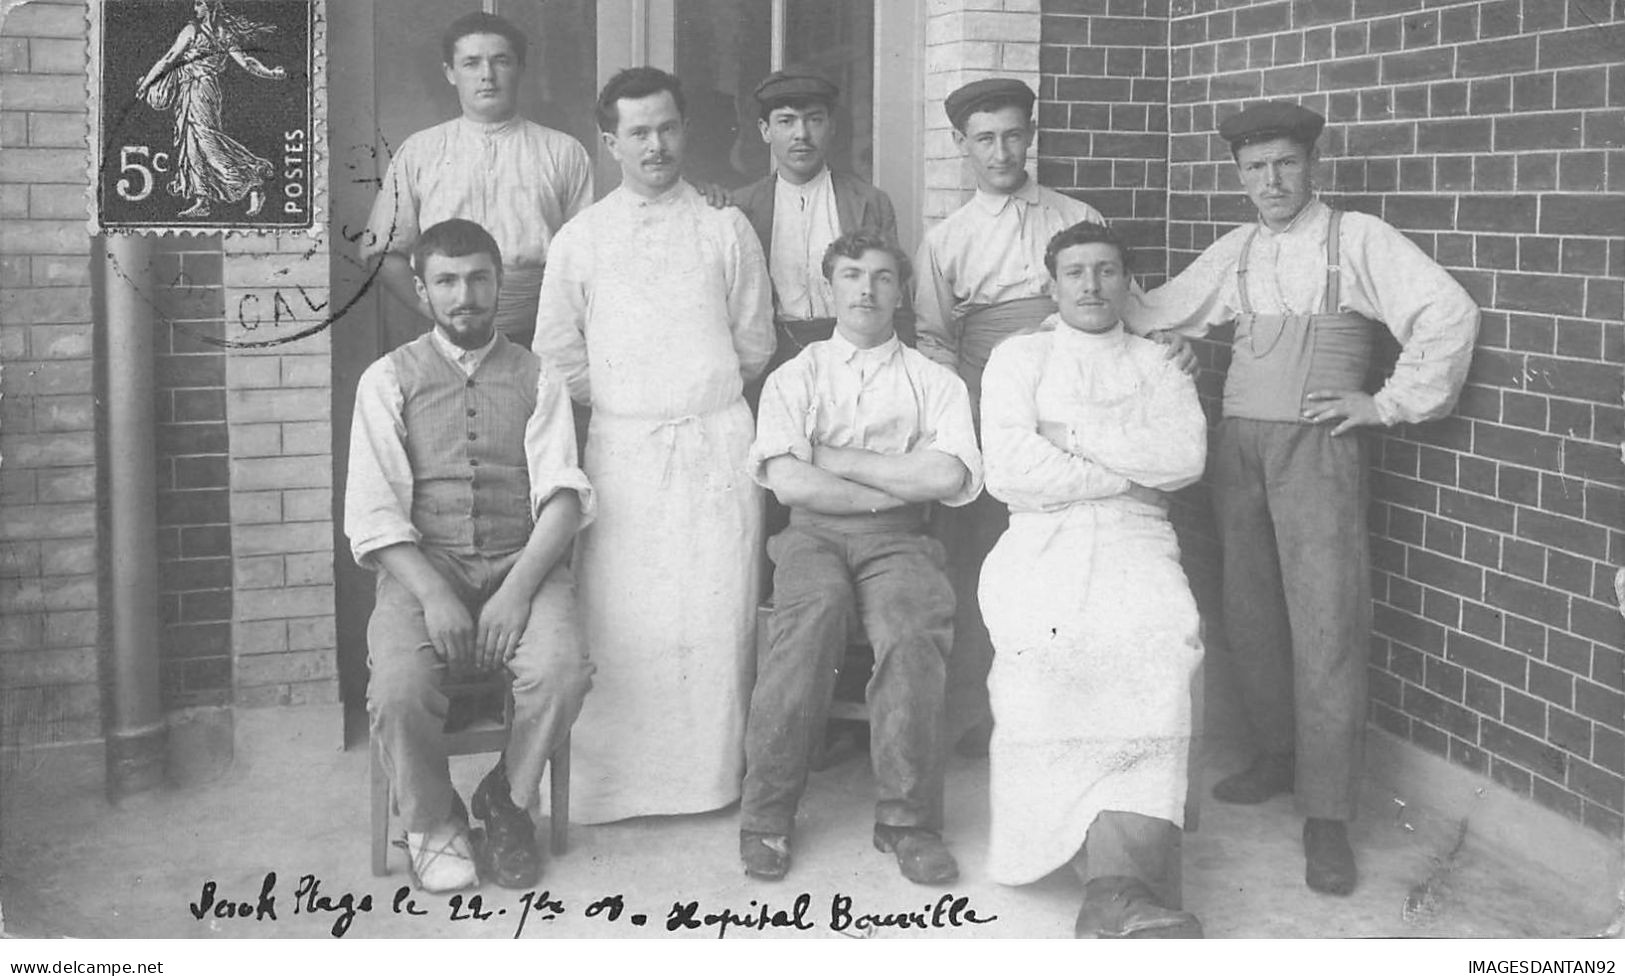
x=378, y=490
x=948, y=417
x=550, y=449
x=750, y=299
x=1022, y=467
x=783, y=419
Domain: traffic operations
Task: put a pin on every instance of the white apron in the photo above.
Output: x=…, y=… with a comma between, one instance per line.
x=668, y=571
x=1096, y=639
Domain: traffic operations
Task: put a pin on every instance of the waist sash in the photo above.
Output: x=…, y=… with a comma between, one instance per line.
x=1276, y=359
x=516, y=303
x=985, y=327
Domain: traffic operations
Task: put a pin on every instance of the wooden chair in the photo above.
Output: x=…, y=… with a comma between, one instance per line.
x=481, y=736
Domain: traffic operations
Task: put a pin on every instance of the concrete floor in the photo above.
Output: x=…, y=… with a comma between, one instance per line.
x=293, y=803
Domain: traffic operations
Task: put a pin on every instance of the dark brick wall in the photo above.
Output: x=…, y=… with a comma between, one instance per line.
x=194, y=492
x=1491, y=132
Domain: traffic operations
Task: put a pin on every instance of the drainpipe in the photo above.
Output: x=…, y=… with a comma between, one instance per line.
x=136, y=736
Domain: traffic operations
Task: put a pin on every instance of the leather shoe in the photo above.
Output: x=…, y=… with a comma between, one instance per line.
x=1328, y=859
x=509, y=851
x=1124, y=908
x=1268, y=776
x=921, y=854
x=766, y=856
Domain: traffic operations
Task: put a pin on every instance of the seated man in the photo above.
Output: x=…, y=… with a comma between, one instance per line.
x=1094, y=629
x=857, y=435
x=464, y=495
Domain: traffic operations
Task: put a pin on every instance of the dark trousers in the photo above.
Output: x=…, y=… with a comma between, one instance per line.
x=969, y=533
x=1133, y=845
x=1291, y=502
x=824, y=581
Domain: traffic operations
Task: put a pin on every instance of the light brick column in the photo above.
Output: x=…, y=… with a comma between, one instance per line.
x=279, y=407
x=966, y=40
x=49, y=603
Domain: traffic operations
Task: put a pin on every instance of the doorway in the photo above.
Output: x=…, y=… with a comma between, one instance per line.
x=384, y=82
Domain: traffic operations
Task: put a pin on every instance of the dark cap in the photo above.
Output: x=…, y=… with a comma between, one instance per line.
x=791, y=86
x=1270, y=120
x=973, y=97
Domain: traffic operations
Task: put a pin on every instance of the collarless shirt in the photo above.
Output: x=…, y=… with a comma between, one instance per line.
x=990, y=250
x=888, y=399
x=805, y=222
x=519, y=180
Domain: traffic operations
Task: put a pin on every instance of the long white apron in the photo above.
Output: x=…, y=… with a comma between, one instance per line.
x=1096, y=639
x=668, y=571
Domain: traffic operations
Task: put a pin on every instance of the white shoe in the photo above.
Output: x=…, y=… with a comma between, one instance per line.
x=442, y=859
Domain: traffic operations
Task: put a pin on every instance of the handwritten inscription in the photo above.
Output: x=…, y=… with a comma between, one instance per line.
x=311, y=896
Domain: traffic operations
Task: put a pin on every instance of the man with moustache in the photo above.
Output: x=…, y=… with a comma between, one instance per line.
x=657, y=310
x=1307, y=287
x=858, y=435
x=464, y=496
x=520, y=180
x=801, y=208
x=982, y=280
x=1096, y=631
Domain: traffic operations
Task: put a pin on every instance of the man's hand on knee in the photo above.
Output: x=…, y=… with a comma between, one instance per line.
x=451, y=630
x=502, y=623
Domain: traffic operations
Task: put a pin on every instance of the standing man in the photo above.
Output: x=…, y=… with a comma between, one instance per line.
x=800, y=210
x=858, y=435
x=464, y=496
x=1097, y=632
x=982, y=280
x=1307, y=287
x=520, y=180
x=657, y=309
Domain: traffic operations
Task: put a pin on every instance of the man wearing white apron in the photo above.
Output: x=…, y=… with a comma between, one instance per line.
x=1307, y=287
x=657, y=308
x=519, y=180
x=1094, y=628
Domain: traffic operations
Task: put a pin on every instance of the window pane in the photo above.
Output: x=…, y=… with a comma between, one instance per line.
x=836, y=38
x=722, y=48
x=561, y=73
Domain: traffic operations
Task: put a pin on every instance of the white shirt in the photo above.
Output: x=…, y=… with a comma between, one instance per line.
x=990, y=250
x=805, y=223
x=888, y=399
x=378, y=496
x=1385, y=277
x=519, y=180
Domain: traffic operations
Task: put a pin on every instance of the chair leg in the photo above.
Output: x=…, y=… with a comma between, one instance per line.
x=380, y=813
x=558, y=782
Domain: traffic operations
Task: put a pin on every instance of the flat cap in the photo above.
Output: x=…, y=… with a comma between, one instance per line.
x=1269, y=120
x=965, y=99
x=787, y=86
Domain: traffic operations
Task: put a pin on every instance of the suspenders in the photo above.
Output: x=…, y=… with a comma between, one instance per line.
x=1330, y=301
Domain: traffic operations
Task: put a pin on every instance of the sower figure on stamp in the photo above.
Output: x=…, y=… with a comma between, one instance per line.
x=518, y=179
x=1095, y=631
x=982, y=280
x=858, y=435
x=800, y=209
x=209, y=164
x=1307, y=286
x=464, y=495
x=656, y=308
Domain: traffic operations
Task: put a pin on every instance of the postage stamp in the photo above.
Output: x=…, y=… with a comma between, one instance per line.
x=203, y=115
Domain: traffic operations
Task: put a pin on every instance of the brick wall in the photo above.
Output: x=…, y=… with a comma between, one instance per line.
x=279, y=407
x=48, y=485
x=1103, y=115
x=194, y=512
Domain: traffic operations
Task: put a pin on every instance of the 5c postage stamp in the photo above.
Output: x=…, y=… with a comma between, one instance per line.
x=202, y=115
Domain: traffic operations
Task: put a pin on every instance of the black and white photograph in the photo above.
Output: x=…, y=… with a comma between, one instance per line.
x=758, y=469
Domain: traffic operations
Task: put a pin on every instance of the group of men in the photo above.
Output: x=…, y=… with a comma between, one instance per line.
x=1046, y=619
